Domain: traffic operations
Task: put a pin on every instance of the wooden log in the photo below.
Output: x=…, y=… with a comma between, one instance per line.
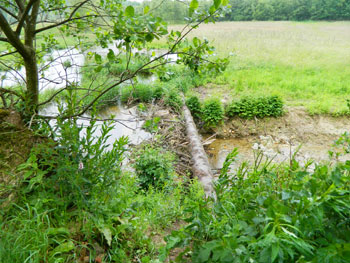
x=201, y=167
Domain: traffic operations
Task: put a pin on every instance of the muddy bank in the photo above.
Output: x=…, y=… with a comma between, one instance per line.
x=278, y=138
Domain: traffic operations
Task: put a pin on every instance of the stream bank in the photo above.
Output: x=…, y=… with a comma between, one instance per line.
x=278, y=138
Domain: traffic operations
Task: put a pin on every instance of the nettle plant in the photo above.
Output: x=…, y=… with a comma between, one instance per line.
x=212, y=112
x=260, y=107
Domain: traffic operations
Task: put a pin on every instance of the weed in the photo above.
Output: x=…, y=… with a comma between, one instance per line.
x=173, y=99
x=251, y=107
x=212, y=112
x=194, y=106
x=271, y=214
x=153, y=167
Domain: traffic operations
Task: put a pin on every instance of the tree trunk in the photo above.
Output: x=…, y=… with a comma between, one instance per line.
x=201, y=167
x=32, y=78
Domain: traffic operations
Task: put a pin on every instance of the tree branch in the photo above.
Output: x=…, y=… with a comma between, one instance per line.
x=8, y=12
x=3, y=90
x=13, y=39
x=24, y=16
x=20, y=5
x=69, y=19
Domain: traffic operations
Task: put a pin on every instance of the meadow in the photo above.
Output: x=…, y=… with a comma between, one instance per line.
x=305, y=63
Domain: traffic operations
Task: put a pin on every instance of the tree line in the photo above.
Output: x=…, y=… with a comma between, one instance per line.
x=297, y=10
x=174, y=11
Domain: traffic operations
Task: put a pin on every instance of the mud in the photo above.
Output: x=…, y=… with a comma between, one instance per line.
x=308, y=137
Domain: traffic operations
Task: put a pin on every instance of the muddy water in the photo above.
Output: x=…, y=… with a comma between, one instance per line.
x=279, y=151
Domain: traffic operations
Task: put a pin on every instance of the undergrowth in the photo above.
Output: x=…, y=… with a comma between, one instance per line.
x=270, y=214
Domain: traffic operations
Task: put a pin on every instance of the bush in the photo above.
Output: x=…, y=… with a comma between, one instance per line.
x=143, y=93
x=212, y=112
x=173, y=99
x=138, y=92
x=268, y=215
x=261, y=107
x=194, y=106
x=153, y=167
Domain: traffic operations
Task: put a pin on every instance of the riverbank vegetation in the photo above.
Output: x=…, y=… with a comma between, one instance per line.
x=72, y=192
x=304, y=63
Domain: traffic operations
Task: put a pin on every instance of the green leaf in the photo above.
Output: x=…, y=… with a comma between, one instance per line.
x=274, y=252
x=130, y=11
x=107, y=233
x=63, y=248
x=149, y=37
x=98, y=58
x=194, y=4
x=217, y=3
x=146, y=9
x=110, y=55
x=57, y=231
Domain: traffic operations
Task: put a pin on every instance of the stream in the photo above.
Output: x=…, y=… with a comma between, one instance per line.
x=63, y=67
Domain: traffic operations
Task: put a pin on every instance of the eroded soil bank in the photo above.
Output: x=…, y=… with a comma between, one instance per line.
x=278, y=138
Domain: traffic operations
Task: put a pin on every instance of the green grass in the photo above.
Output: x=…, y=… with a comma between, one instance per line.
x=305, y=63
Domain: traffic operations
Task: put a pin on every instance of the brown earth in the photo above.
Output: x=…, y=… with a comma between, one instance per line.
x=16, y=142
x=279, y=137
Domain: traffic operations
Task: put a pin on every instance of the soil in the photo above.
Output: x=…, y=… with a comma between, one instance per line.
x=278, y=138
x=16, y=142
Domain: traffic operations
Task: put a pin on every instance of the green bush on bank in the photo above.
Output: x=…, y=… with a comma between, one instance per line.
x=212, y=112
x=194, y=105
x=251, y=107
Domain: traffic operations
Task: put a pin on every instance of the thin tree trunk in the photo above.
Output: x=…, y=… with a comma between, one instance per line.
x=32, y=79
x=201, y=167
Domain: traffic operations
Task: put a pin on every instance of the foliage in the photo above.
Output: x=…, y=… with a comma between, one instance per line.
x=259, y=107
x=299, y=10
x=173, y=99
x=111, y=25
x=212, y=112
x=151, y=125
x=271, y=214
x=75, y=203
x=153, y=167
x=194, y=106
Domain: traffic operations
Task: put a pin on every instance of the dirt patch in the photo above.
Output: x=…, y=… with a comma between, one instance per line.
x=280, y=137
x=16, y=142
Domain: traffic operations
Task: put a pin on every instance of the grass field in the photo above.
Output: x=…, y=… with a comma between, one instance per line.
x=306, y=63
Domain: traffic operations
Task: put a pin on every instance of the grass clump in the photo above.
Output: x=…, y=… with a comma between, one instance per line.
x=212, y=112
x=251, y=107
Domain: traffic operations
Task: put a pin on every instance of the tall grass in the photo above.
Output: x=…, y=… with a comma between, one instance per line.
x=305, y=63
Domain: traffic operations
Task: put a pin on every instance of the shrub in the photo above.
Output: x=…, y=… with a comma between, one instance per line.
x=138, y=92
x=153, y=167
x=264, y=214
x=143, y=92
x=194, y=106
x=212, y=112
x=256, y=107
x=158, y=92
x=173, y=99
